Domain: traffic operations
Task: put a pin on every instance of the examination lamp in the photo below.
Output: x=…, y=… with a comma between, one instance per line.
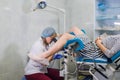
x=43, y=4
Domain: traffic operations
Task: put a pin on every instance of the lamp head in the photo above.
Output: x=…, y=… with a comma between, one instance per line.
x=42, y=4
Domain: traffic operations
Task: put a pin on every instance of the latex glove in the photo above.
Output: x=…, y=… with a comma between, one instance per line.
x=57, y=56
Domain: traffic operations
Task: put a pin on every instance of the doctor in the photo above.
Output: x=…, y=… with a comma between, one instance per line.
x=37, y=69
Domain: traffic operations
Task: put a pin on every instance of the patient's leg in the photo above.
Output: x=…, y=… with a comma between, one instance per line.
x=57, y=46
x=76, y=30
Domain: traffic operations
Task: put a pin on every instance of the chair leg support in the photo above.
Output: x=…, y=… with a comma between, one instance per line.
x=102, y=67
x=92, y=73
x=101, y=73
x=117, y=67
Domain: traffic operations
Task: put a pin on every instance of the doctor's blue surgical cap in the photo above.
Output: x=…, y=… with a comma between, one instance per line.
x=47, y=32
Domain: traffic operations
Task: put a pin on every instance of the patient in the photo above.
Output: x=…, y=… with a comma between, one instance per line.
x=107, y=46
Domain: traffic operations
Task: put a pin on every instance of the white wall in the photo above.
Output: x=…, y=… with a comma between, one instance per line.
x=18, y=30
x=81, y=13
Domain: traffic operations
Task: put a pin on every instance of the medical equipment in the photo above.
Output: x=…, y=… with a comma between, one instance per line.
x=69, y=56
x=33, y=5
x=43, y=4
x=28, y=5
x=103, y=65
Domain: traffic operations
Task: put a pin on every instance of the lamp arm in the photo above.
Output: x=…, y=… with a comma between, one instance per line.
x=61, y=10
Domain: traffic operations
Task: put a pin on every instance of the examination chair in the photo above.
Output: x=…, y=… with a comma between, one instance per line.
x=99, y=64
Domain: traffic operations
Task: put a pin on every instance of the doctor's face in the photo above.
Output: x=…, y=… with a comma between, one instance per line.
x=49, y=40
